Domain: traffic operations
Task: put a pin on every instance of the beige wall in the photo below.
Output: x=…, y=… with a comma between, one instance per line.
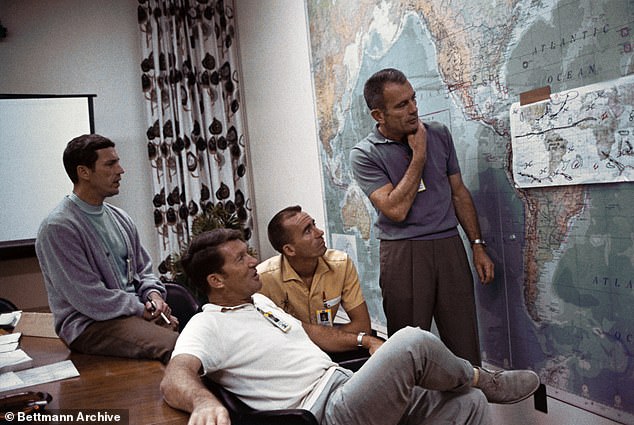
x=280, y=112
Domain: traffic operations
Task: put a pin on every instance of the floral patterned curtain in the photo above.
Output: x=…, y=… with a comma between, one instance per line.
x=195, y=135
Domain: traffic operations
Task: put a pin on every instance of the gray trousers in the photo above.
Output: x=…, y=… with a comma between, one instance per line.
x=412, y=379
x=132, y=337
x=421, y=280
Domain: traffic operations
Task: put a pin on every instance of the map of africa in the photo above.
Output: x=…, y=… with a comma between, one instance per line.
x=561, y=300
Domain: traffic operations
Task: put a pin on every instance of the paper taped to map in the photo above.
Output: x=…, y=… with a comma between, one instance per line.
x=579, y=136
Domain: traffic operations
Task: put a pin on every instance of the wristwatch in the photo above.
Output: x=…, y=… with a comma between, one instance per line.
x=479, y=242
x=360, y=339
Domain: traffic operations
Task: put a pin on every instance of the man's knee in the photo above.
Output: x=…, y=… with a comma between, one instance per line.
x=131, y=337
x=412, y=336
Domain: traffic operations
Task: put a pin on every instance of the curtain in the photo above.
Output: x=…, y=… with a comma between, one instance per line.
x=195, y=139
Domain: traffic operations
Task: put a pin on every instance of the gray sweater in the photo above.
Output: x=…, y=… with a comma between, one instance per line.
x=80, y=278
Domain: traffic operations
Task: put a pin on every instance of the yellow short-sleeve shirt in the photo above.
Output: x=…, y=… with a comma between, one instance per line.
x=335, y=283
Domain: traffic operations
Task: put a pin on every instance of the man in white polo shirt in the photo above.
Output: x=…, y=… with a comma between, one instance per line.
x=270, y=360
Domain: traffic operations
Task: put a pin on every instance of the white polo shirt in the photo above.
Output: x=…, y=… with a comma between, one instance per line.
x=248, y=355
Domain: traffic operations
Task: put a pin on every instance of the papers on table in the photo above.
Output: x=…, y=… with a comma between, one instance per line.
x=37, y=375
x=9, y=342
x=14, y=360
x=16, y=369
x=11, y=357
x=9, y=320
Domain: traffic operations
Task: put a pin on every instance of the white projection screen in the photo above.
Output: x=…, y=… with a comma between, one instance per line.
x=34, y=131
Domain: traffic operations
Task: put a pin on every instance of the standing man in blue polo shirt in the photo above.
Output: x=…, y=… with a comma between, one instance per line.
x=410, y=172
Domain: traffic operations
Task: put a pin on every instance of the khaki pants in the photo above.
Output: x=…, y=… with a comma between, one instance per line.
x=132, y=337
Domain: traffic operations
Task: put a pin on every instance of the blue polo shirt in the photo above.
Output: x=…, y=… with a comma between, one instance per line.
x=377, y=161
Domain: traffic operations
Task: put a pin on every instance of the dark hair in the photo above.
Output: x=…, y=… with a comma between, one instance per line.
x=82, y=150
x=374, y=86
x=278, y=236
x=203, y=256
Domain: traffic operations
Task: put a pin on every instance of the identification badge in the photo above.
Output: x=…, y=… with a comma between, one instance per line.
x=324, y=317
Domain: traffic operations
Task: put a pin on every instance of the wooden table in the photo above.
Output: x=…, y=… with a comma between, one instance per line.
x=104, y=384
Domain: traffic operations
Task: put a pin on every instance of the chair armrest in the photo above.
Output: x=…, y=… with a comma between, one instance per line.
x=352, y=359
x=241, y=414
x=278, y=417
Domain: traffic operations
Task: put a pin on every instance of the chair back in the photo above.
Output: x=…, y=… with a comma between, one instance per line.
x=182, y=302
x=6, y=306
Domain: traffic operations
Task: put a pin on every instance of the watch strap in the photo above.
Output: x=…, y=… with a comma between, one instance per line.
x=360, y=339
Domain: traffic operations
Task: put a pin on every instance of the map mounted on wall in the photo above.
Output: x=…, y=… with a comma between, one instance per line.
x=579, y=136
x=561, y=301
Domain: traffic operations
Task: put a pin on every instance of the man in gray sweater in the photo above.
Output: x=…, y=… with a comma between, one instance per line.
x=101, y=289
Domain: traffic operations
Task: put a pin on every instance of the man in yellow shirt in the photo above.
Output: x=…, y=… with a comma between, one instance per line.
x=308, y=280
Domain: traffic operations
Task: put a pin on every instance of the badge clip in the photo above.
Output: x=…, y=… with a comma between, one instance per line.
x=280, y=324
